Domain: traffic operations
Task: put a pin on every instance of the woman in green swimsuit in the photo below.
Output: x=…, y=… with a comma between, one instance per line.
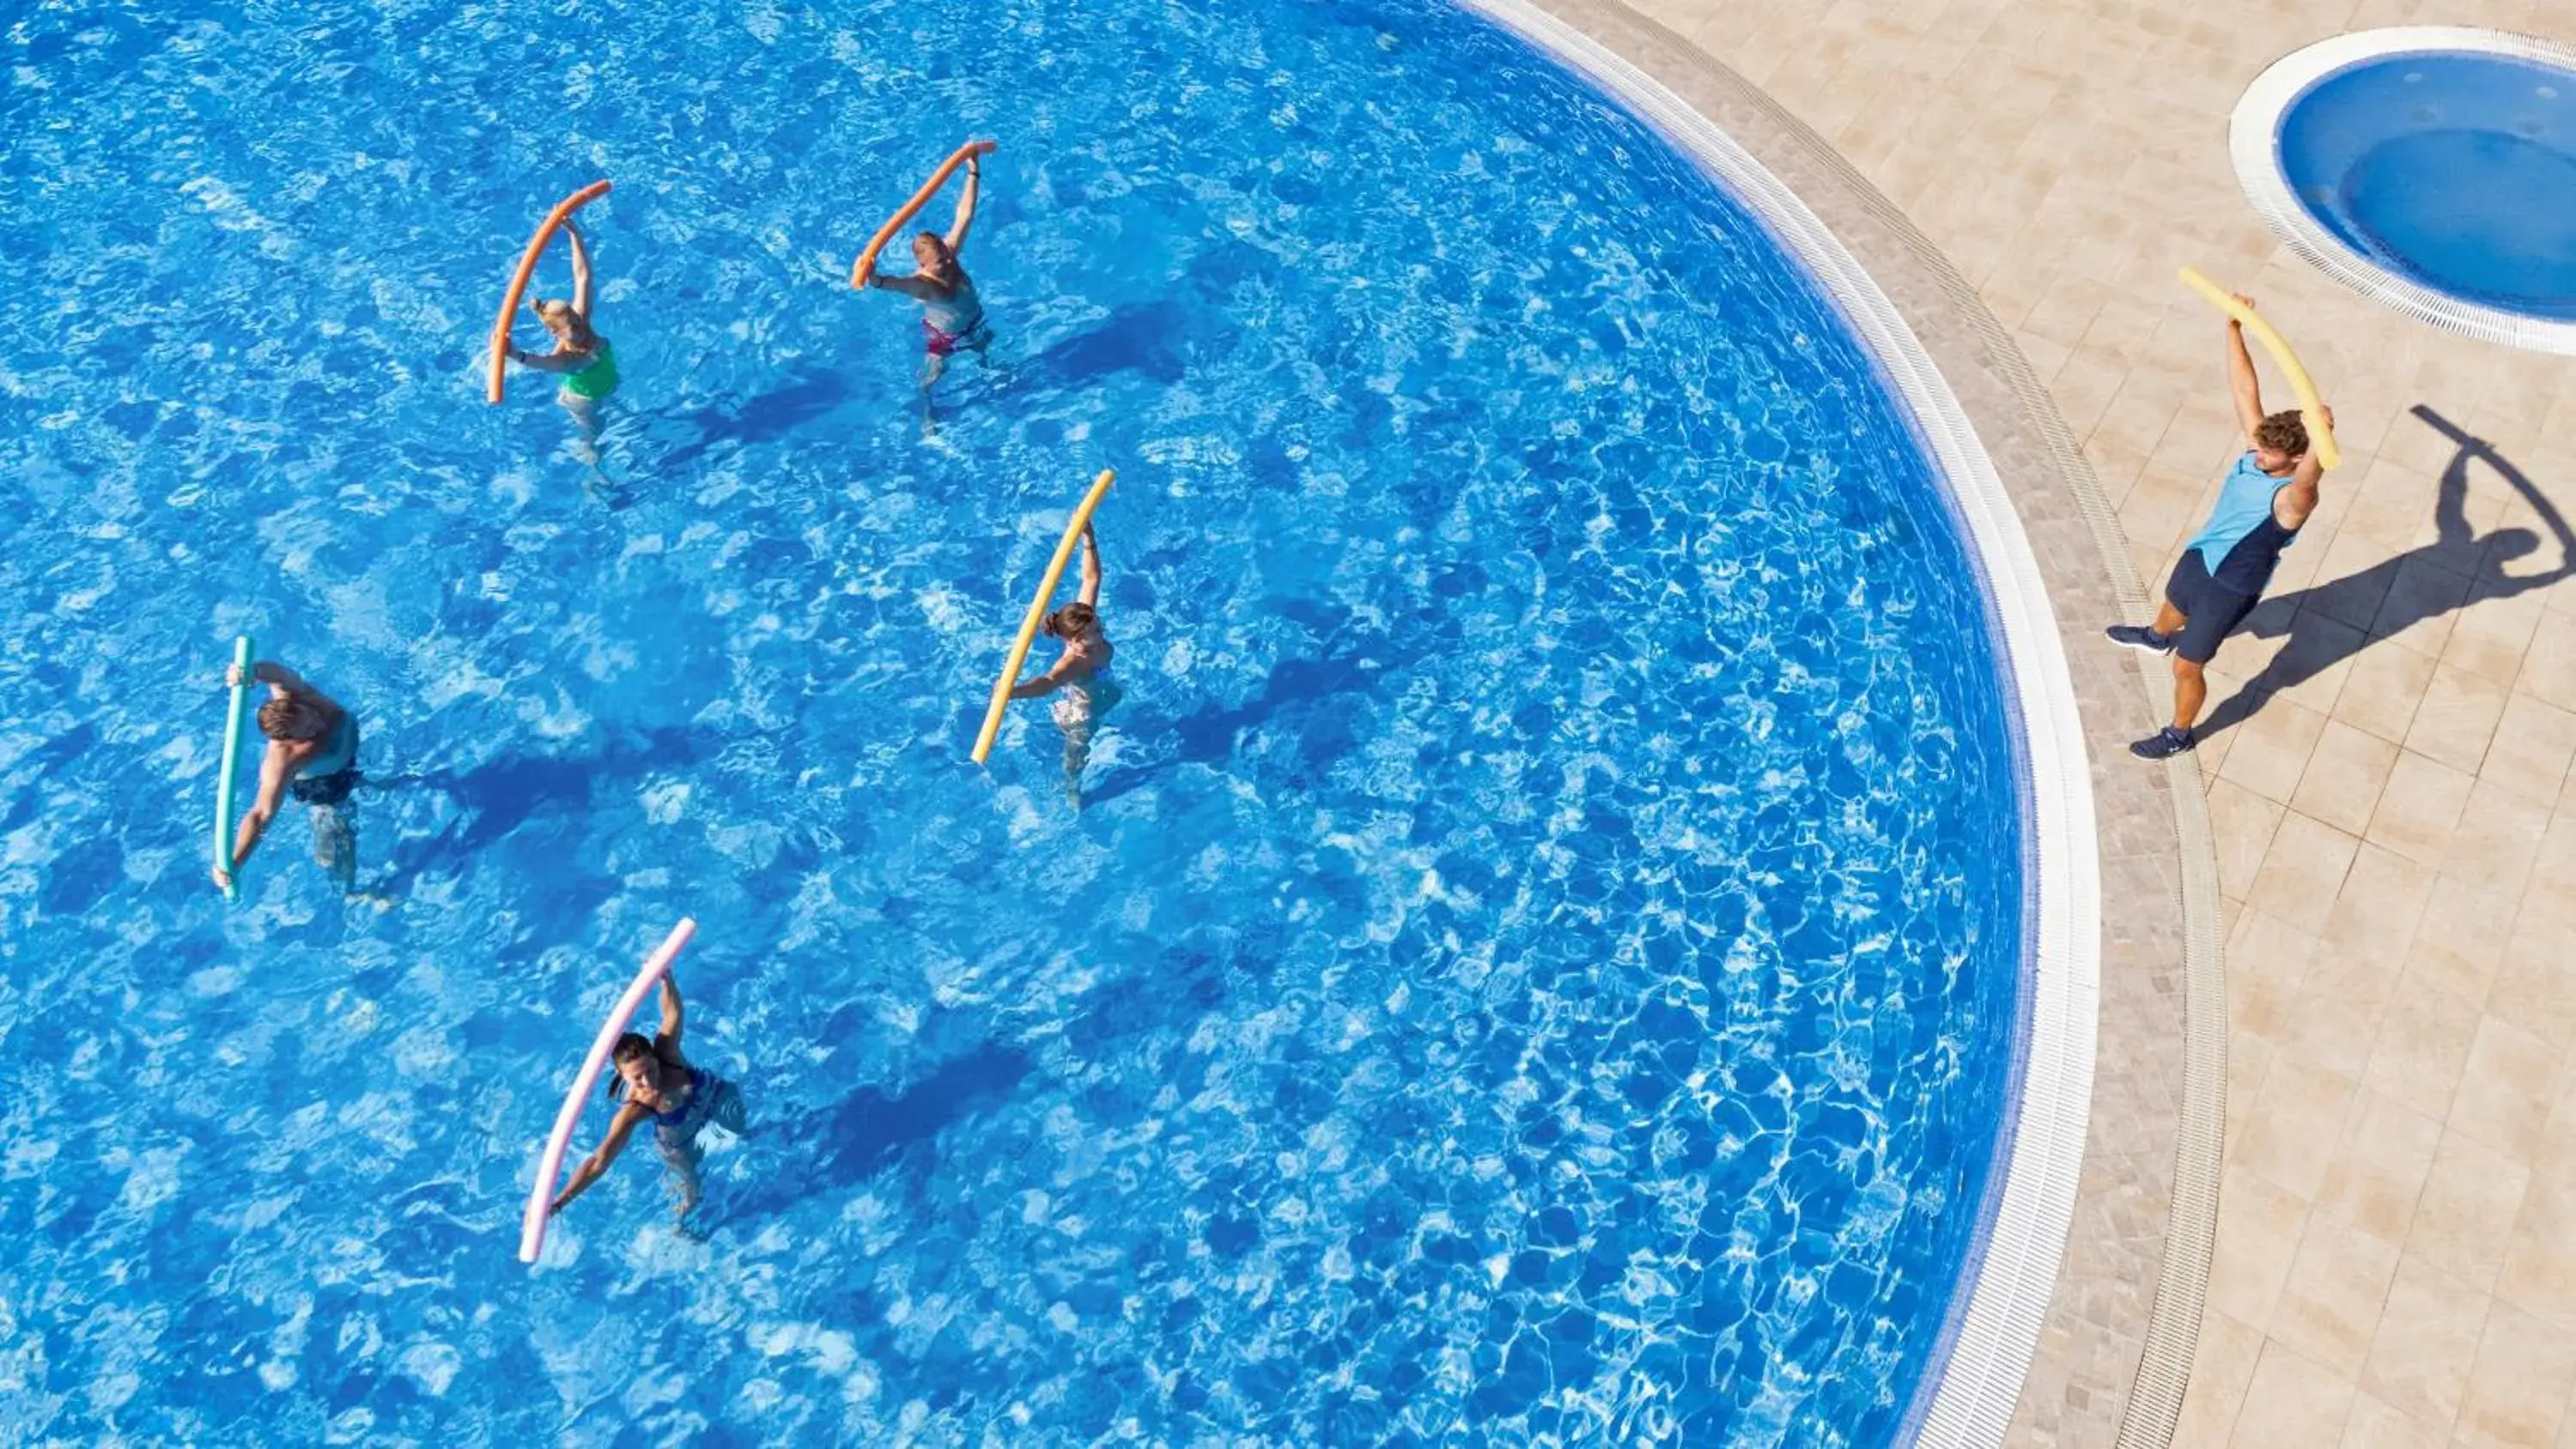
x=583, y=358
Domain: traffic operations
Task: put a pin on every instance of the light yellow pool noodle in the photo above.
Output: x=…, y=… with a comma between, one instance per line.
x=1037, y=613
x=2313, y=412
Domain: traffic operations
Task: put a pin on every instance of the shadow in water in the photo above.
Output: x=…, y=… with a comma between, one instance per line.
x=1146, y=339
x=807, y=393
x=499, y=796
x=1209, y=733
x=837, y=1147
x=2331, y=622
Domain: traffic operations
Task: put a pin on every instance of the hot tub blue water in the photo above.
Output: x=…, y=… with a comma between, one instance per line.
x=1542, y=951
x=2456, y=171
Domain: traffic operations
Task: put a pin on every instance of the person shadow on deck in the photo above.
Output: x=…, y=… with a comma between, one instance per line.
x=2330, y=622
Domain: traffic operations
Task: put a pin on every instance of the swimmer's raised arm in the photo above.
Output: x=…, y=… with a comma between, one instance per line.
x=580, y=269
x=278, y=677
x=966, y=206
x=672, y=1016
x=2243, y=383
x=597, y=1162
x=1090, y=566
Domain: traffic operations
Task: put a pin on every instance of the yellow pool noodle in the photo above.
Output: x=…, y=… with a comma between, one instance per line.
x=2313, y=412
x=1037, y=613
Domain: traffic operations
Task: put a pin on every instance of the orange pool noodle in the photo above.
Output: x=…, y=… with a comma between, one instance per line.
x=866, y=266
x=528, y=268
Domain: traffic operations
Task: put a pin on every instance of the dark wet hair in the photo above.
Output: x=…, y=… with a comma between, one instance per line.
x=629, y=1047
x=277, y=717
x=1072, y=619
x=2283, y=432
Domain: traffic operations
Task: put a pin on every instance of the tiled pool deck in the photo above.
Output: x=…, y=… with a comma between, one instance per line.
x=2391, y=833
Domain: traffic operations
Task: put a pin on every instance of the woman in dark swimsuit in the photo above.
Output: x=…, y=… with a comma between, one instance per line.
x=678, y=1099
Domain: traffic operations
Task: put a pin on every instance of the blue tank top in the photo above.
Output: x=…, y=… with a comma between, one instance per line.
x=2242, y=541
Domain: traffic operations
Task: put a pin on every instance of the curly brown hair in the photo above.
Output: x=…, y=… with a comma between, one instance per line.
x=2283, y=432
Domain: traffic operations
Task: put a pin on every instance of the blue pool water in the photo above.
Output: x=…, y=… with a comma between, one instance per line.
x=1541, y=956
x=2457, y=171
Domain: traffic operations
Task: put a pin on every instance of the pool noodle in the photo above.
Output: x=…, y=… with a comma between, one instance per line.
x=528, y=268
x=240, y=695
x=1037, y=612
x=2312, y=411
x=866, y=266
x=532, y=1228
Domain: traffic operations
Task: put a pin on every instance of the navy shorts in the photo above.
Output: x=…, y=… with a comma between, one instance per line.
x=2209, y=612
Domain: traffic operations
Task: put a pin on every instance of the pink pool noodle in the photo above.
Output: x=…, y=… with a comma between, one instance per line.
x=532, y=1228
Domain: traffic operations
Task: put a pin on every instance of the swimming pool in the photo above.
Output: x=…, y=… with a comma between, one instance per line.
x=1541, y=951
x=2432, y=166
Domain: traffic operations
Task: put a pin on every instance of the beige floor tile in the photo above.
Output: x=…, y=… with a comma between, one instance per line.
x=2303, y=870
x=2346, y=771
x=2389, y=503
x=2241, y=824
x=2314, y=661
x=2259, y=1223
x=2292, y=1400
x=2267, y=961
x=2377, y=1176
x=2427, y=1340
x=2539, y=1274
x=2222, y=1365
x=2374, y=1425
x=2491, y=637
x=2535, y=986
x=2383, y=688
x=2457, y=717
x=2379, y=907
x=2354, y=581
x=2520, y=1384
x=2549, y=666
x=2532, y=747
x=2330, y=1303
x=2298, y=1120
x=2424, y=1040
x=2507, y=1086
x=2249, y=1060
x=2461, y=937
x=2419, y=807
x=2498, y=839
x=2464, y=1220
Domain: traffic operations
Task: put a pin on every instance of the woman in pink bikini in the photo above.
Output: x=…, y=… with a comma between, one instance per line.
x=952, y=316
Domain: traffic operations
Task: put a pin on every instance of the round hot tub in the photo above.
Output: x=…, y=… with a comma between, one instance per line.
x=2431, y=167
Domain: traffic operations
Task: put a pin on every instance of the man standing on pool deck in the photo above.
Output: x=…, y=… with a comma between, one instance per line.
x=312, y=750
x=2261, y=507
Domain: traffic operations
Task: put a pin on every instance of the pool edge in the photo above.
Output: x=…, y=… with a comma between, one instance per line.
x=1992, y=1331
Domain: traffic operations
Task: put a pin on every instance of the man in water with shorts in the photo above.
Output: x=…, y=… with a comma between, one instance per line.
x=312, y=752
x=2262, y=506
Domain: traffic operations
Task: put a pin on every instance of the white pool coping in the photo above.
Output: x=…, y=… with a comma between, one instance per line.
x=2253, y=141
x=1982, y=1363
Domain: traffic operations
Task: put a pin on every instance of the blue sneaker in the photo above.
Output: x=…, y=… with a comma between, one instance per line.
x=2164, y=744
x=2139, y=636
